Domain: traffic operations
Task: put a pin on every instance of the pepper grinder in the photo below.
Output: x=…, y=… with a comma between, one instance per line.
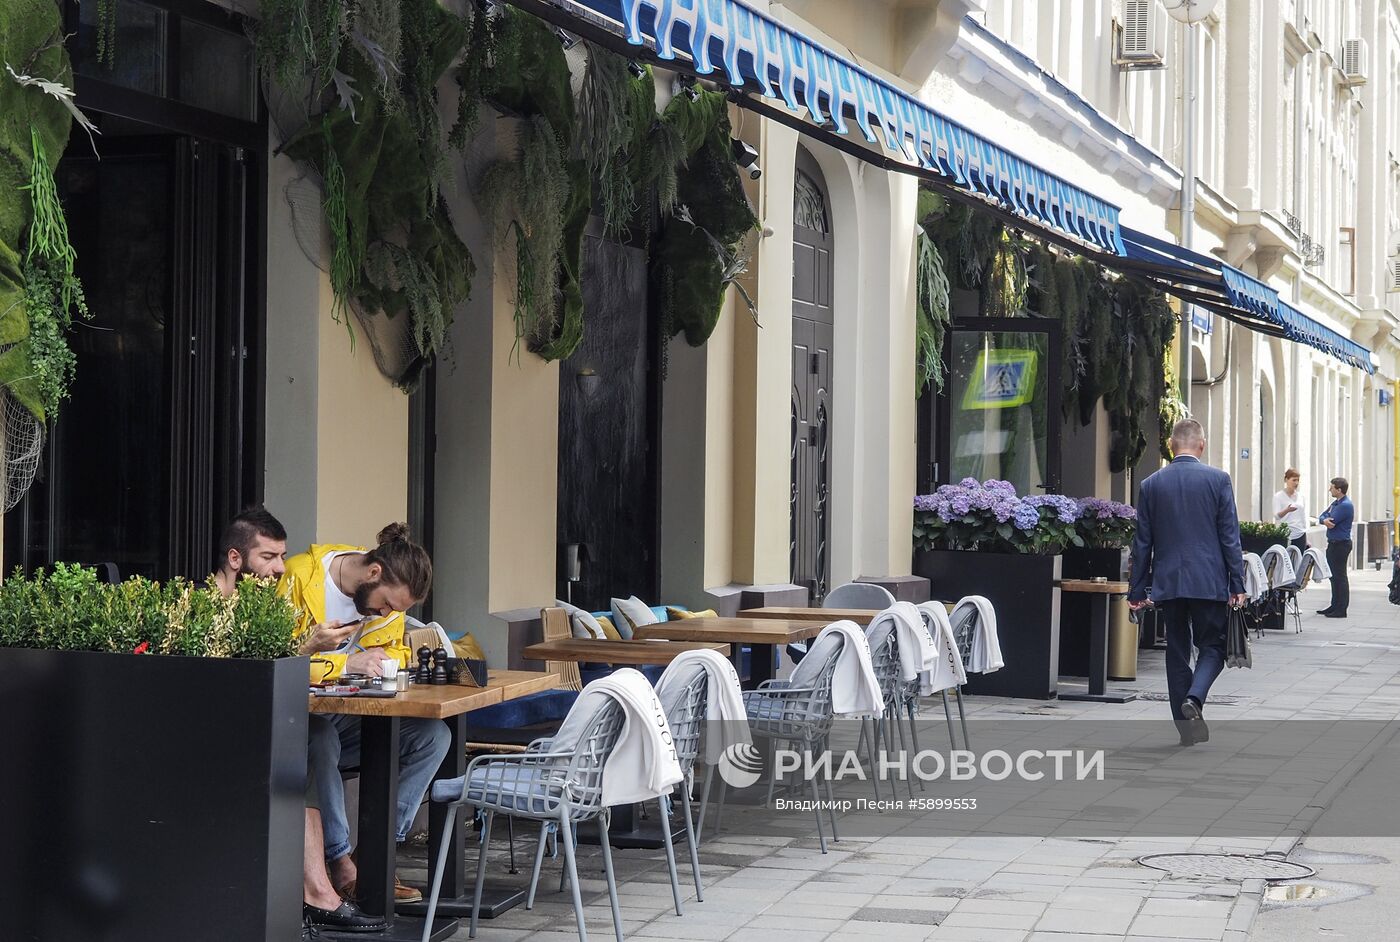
x=425, y=672
x=440, y=670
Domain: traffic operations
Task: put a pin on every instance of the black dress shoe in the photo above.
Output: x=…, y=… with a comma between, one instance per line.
x=1334, y=614
x=1324, y=611
x=1183, y=729
x=1191, y=709
x=345, y=918
x=309, y=932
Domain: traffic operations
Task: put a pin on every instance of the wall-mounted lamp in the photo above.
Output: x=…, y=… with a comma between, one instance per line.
x=587, y=380
x=746, y=156
x=635, y=69
x=685, y=85
x=566, y=39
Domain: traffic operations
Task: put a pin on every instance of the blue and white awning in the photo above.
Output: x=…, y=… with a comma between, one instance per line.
x=759, y=53
x=1229, y=291
x=750, y=51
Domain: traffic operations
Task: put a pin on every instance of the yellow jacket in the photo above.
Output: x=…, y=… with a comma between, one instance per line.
x=304, y=585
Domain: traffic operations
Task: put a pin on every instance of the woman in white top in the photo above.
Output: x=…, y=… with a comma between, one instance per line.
x=1290, y=509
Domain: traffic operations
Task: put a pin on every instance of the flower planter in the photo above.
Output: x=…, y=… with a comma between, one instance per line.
x=1082, y=563
x=1024, y=591
x=1258, y=544
x=150, y=797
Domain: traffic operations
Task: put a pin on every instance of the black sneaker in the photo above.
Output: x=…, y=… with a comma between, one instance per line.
x=347, y=917
x=1191, y=709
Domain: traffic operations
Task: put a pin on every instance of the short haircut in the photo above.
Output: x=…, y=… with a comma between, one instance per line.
x=243, y=531
x=1188, y=432
x=404, y=562
x=1340, y=484
x=1290, y=474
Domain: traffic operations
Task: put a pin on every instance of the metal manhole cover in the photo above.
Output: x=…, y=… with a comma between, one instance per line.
x=1237, y=867
x=1162, y=698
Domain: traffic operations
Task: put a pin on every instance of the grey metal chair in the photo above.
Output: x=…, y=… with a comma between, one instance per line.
x=1289, y=593
x=876, y=732
x=964, y=631
x=847, y=595
x=685, y=714
x=802, y=716
x=558, y=789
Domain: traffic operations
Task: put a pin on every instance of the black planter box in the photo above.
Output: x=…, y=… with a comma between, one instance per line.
x=1258, y=544
x=1082, y=563
x=1025, y=592
x=149, y=798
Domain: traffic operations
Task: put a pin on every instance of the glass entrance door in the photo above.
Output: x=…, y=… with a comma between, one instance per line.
x=1000, y=411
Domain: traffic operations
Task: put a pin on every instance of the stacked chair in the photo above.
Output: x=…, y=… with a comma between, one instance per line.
x=864, y=595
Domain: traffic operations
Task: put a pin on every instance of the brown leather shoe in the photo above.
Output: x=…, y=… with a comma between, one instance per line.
x=402, y=892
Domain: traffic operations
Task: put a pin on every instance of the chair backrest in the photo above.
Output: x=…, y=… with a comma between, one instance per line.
x=884, y=656
x=1305, y=567
x=584, y=772
x=1295, y=556
x=686, y=717
x=964, y=621
x=555, y=625
x=858, y=595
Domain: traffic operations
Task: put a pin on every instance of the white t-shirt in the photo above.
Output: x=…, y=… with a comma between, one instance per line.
x=339, y=606
x=1297, y=519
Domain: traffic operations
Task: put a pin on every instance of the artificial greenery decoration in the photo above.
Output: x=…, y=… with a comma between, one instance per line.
x=1264, y=530
x=300, y=40
x=616, y=113
x=690, y=257
x=69, y=610
x=394, y=249
x=39, y=288
x=107, y=32
x=931, y=315
x=1114, y=331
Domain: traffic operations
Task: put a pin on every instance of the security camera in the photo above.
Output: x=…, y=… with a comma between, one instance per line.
x=635, y=69
x=746, y=156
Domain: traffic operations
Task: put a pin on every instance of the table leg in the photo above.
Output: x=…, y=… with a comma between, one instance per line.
x=1098, y=656
x=376, y=849
x=379, y=796
x=455, y=898
x=760, y=663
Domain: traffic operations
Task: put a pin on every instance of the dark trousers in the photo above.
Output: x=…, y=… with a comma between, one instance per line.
x=1200, y=622
x=1301, y=543
x=1338, y=551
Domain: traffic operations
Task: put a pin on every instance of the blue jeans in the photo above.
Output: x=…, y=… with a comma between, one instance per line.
x=1200, y=622
x=335, y=745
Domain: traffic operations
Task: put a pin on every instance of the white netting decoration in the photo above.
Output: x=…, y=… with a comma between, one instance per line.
x=21, y=449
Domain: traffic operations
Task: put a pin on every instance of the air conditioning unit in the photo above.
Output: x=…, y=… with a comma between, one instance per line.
x=1142, y=41
x=1392, y=281
x=1356, y=61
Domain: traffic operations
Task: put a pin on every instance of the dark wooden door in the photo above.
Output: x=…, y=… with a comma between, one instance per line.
x=812, y=337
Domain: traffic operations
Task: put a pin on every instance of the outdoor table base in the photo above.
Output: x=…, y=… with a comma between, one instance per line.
x=456, y=896
x=379, y=791
x=1098, y=643
x=628, y=831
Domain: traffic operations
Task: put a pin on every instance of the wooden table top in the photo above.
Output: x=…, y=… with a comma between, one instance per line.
x=738, y=630
x=1086, y=585
x=606, y=651
x=861, y=616
x=425, y=701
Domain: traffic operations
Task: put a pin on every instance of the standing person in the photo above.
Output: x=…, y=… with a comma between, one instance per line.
x=341, y=584
x=1187, y=552
x=255, y=544
x=1337, y=519
x=1290, y=508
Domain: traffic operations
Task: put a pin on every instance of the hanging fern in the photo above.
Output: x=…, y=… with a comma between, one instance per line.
x=107, y=32
x=377, y=31
x=297, y=39
x=932, y=315
x=420, y=24
x=525, y=201
x=345, y=261
x=474, y=75
x=616, y=113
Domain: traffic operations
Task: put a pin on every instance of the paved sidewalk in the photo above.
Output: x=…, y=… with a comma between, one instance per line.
x=774, y=887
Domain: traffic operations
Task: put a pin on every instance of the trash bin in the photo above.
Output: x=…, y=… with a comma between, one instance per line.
x=1122, y=641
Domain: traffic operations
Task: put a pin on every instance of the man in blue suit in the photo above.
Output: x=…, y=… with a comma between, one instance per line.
x=1186, y=557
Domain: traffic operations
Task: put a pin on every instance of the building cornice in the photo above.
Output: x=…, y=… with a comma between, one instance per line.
x=991, y=64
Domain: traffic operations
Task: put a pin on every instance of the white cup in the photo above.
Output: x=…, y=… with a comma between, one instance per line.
x=391, y=668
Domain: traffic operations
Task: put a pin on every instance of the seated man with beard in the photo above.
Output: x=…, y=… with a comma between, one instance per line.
x=337, y=585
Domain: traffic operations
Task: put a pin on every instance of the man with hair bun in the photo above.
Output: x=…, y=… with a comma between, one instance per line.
x=338, y=585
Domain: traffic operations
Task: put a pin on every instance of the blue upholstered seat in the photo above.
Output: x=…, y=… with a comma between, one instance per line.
x=544, y=707
x=526, y=789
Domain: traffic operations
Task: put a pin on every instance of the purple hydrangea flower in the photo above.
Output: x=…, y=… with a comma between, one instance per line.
x=1025, y=516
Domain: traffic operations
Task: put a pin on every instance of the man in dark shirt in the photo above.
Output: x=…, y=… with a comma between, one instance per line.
x=1337, y=519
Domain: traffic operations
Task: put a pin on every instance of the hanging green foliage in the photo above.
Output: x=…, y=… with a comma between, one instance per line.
x=39, y=289
x=394, y=249
x=300, y=39
x=378, y=32
x=107, y=32
x=931, y=315
x=616, y=112
x=1114, y=331
x=525, y=199
x=690, y=256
